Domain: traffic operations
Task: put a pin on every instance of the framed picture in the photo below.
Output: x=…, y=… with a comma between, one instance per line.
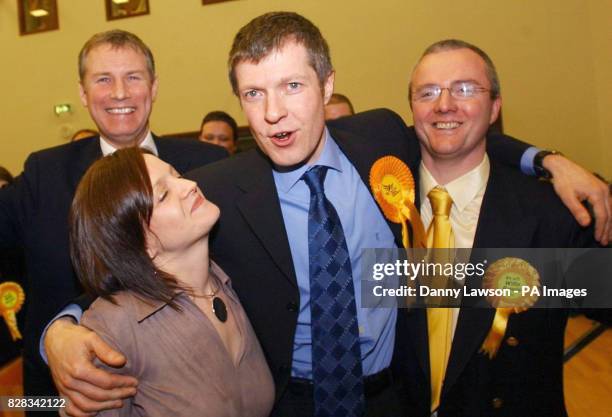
x=205, y=2
x=37, y=16
x=119, y=9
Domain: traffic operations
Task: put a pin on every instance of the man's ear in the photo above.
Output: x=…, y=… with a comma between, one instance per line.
x=82, y=94
x=154, y=88
x=497, y=103
x=328, y=87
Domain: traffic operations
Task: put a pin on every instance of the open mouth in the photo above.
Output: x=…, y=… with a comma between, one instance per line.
x=121, y=110
x=446, y=125
x=283, y=138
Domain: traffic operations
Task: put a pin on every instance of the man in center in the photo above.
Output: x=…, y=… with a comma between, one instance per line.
x=286, y=201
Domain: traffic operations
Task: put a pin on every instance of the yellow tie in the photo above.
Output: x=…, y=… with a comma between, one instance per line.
x=439, y=320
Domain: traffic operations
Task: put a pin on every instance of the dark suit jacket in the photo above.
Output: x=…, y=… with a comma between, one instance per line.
x=34, y=214
x=250, y=242
x=525, y=378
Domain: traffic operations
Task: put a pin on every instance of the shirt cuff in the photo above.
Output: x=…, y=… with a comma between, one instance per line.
x=72, y=310
x=527, y=161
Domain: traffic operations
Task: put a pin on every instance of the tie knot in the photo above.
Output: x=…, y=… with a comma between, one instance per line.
x=441, y=201
x=314, y=178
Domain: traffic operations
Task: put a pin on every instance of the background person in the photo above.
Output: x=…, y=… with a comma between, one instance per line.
x=6, y=177
x=219, y=128
x=11, y=269
x=339, y=105
x=83, y=133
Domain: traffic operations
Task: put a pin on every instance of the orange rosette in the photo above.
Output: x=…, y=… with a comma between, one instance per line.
x=511, y=274
x=393, y=187
x=12, y=298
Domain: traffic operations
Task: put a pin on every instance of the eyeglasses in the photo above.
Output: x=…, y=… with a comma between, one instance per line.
x=461, y=90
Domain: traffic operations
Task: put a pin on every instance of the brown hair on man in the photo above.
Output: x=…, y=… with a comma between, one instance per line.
x=269, y=32
x=117, y=39
x=454, y=44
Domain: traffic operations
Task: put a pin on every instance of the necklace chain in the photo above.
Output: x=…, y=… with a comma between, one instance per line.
x=211, y=295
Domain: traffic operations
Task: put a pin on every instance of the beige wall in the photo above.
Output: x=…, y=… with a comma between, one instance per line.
x=554, y=60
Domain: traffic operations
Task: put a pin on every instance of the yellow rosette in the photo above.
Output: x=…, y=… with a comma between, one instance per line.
x=12, y=298
x=512, y=274
x=393, y=187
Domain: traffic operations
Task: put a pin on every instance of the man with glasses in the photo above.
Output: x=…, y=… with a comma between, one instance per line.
x=472, y=201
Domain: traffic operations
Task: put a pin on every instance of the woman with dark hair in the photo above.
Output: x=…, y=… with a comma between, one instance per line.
x=139, y=241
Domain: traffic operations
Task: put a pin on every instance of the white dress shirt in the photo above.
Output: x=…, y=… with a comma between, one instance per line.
x=147, y=143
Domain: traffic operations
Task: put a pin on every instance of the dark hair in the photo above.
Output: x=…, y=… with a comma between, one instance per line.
x=341, y=98
x=269, y=32
x=454, y=44
x=221, y=116
x=108, y=222
x=5, y=175
x=117, y=39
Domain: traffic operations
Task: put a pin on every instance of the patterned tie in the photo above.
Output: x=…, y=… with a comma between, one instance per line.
x=439, y=320
x=336, y=355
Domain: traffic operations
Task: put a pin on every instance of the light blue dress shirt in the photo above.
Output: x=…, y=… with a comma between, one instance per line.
x=364, y=227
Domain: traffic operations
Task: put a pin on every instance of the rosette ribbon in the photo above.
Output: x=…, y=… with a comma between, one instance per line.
x=12, y=298
x=393, y=187
x=513, y=274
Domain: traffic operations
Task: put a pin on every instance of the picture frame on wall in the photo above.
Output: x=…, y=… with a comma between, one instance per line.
x=37, y=16
x=120, y=9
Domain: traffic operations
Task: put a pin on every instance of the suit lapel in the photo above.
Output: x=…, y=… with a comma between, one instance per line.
x=260, y=208
x=83, y=154
x=502, y=224
x=363, y=157
x=168, y=153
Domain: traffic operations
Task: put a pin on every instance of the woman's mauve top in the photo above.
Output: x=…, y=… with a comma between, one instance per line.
x=181, y=363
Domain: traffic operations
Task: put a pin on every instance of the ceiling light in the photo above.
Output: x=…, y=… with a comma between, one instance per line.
x=39, y=12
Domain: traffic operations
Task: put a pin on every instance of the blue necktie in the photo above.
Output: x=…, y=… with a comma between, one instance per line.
x=336, y=356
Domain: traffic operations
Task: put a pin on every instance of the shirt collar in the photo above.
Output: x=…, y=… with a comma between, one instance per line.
x=330, y=157
x=463, y=189
x=146, y=307
x=147, y=143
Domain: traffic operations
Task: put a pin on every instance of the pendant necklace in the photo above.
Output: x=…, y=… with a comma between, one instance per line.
x=218, y=306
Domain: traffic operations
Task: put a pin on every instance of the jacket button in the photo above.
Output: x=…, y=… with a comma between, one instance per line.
x=292, y=306
x=497, y=403
x=512, y=341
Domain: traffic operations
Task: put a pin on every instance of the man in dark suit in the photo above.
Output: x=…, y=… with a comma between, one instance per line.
x=455, y=96
x=118, y=86
x=281, y=71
